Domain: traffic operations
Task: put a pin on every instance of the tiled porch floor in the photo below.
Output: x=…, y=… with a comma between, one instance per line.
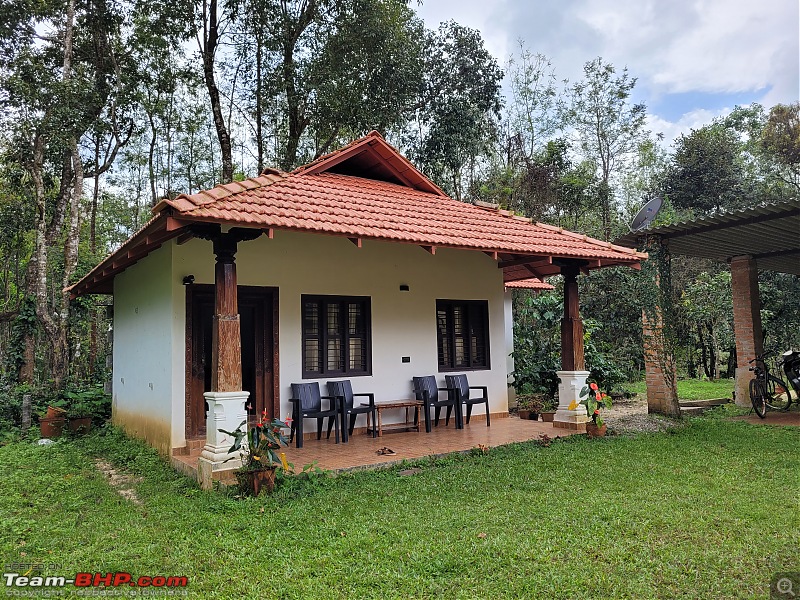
x=361, y=450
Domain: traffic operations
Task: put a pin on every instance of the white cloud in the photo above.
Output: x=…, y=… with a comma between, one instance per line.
x=694, y=119
x=688, y=47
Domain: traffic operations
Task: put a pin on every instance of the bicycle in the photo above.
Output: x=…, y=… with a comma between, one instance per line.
x=769, y=391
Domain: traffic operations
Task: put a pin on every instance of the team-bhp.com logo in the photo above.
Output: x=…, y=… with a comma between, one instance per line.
x=88, y=580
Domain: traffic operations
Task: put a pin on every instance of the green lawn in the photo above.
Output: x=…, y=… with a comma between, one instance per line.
x=706, y=511
x=693, y=389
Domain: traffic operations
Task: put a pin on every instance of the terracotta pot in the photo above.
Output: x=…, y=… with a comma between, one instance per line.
x=80, y=426
x=524, y=414
x=594, y=431
x=254, y=482
x=51, y=427
x=548, y=417
x=53, y=412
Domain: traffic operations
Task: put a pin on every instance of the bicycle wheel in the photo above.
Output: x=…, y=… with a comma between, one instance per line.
x=777, y=397
x=758, y=397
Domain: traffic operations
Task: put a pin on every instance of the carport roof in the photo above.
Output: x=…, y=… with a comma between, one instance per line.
x=769, y=233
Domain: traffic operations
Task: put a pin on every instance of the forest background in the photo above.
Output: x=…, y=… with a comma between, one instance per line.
x=109, y=106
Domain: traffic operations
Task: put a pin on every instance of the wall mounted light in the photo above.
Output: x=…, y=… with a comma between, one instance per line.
x=404, y=287
x=188, y=280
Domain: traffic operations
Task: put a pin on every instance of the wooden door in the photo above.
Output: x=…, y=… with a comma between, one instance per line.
x=258, y=319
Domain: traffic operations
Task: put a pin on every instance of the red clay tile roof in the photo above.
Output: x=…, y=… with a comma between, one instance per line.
x=367, y=190
x=314, y=199
x=356, y=207
x=530, y=284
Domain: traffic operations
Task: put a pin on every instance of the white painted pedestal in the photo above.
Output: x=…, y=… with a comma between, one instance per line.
x=225, y=411
x=569, y=389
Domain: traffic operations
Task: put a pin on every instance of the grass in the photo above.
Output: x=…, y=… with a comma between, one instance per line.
x=706, y=511
x=693, y=389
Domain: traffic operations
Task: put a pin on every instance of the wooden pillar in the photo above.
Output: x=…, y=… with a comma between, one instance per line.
x=573, y=373
x=571, y=325
x=226, y=351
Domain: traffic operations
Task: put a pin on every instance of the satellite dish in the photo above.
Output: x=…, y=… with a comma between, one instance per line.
x=646, y=214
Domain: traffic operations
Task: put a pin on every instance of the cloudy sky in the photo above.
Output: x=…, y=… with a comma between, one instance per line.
x=694, y=59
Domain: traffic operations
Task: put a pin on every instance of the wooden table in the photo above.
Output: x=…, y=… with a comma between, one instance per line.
x=391, y=404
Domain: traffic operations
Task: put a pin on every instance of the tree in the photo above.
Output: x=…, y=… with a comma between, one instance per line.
x=707, y=303
x=211, y=30
x=608, y=127
x=533, y=113
x=781, y=139
x=63, y=72
x=461, y=100
x=705, y=174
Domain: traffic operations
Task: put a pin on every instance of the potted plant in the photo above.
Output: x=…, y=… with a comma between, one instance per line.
x=257, y=448
x=79, y=415
x=85, y=406
x=51, y=427
x=52, y=419
x=594, y=400
x=529, y=406
x=549, y=407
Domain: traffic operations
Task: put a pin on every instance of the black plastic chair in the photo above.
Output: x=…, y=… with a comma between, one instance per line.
x=307, y=404
x=427, y=392
x=344, y=391
x=462, y=389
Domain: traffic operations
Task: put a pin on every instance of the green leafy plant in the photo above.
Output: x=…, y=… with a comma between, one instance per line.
x=594, y=400
x=537, y=344
x=90, y=402
x=549, y=404
x=531, y=402
x=257, y=446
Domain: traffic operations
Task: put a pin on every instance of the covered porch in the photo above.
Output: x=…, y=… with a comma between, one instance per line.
x=361, y=452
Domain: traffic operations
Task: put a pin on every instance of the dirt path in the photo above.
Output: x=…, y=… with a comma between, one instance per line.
x=630, y=416
x=121, y=482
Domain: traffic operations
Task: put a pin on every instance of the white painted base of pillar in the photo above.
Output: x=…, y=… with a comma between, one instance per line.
x=742, y=386
x=569, y=389
x=225, y=411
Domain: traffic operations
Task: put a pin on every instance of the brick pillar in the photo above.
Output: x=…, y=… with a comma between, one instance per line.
x=662, y=388
x=746, y=322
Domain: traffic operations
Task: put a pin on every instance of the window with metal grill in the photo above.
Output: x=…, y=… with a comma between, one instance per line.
x=462, y=332
x=336, y=336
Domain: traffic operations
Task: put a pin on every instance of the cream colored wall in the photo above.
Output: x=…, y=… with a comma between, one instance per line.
x=144, y=389
x=403, y=323
x=508, y=310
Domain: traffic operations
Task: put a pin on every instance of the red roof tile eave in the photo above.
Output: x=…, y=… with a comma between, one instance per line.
x=605, y=261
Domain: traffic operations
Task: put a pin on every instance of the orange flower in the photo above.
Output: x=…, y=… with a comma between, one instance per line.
x=593, y=386
x=597, y=396
x=597, y=412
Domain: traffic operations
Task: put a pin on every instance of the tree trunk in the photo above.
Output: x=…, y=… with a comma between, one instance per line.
x=259, y=115
x=208, y=50
x=95, y=198
x=151, y=159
